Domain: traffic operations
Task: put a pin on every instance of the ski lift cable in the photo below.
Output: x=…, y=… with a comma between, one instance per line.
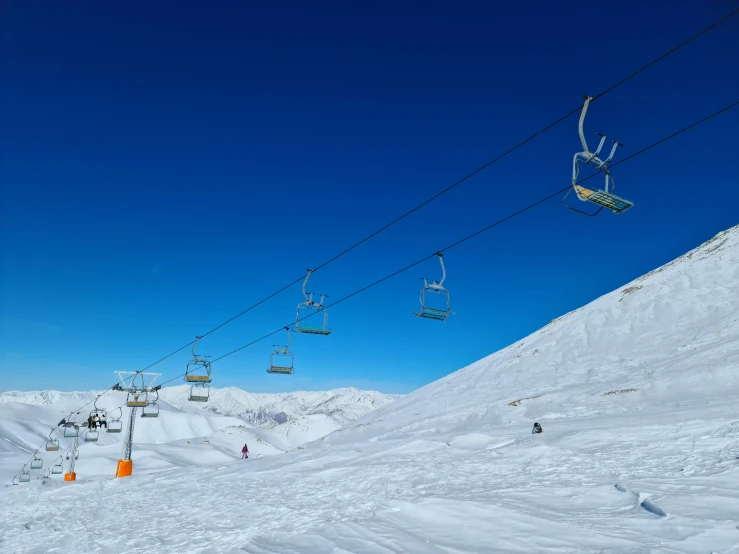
x=484, y=229
x=448, y=247
x=532, y=137
x=460, y=181
x=454, y=185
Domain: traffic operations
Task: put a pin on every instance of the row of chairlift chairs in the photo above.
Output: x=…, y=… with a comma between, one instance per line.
x=72, y=430
x=37, y=462
x=434, y=298
x=282, y=361
x=52, y=445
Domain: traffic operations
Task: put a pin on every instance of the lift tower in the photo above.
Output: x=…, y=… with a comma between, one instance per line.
x=141, y=394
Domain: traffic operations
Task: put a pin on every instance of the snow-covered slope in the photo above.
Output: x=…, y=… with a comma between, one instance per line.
x=636, y=393
x=675, y=329
x=268, y=423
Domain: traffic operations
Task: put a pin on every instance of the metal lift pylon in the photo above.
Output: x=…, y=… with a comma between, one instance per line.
x=136, y=384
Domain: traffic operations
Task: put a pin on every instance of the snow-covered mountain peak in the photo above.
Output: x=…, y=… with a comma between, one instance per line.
x=270, y=409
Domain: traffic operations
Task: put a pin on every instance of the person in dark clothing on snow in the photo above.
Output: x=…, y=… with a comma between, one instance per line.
x=245, y=452
x=537, y=428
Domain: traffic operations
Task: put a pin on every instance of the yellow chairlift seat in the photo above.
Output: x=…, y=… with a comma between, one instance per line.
x=198, y=378
x=137, y=400
x=604, y=199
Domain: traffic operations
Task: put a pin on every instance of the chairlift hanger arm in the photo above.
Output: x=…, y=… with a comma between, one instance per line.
x=443, y=269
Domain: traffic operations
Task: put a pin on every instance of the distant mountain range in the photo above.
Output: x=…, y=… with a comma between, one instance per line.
x=264, y=410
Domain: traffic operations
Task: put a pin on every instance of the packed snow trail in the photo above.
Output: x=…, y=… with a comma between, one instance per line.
x=636, y=393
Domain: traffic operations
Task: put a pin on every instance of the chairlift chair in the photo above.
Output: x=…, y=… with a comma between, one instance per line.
x=282, y=360
x=71, y=430
x=601, y=198
x=198, y=369
x=431, y=312
x=92, y=435
x=76, y=455
x=25, y=476
x=57, y=468
x=150, y=410
x=308, y=306
x=199, y=393
x=37, y=462
x=52, y=445
x=115, y=425
x=152, y=407
x=137, y=399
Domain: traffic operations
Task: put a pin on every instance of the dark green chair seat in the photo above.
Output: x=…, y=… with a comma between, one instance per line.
x=312, y=330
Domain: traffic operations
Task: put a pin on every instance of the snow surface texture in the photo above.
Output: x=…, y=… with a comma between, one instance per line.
x=636, y=393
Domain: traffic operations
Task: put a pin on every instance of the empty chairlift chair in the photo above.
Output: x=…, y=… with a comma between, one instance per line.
x=92, y=435
x=282, y=360
x=71, y=430
x=57, y=468
x=76, y=455
x=115, y=425
x=601, y=198
x=435, y=301
x=37, y=462
x=197, y=375
x=52, y=445
x=137, y=400
x=309, y=306
x=199, y=393
x=25, y=476
x=152, y=407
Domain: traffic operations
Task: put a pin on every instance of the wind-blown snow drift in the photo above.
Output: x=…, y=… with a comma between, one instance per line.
x=637, y=396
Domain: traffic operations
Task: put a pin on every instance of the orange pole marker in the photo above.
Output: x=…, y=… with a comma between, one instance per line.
x=125, y=468
x=70, y=476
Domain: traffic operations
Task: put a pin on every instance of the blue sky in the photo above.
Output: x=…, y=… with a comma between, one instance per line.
x=165, y=165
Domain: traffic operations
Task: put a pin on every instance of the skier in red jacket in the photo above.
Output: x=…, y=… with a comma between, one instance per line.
x=244, y=452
